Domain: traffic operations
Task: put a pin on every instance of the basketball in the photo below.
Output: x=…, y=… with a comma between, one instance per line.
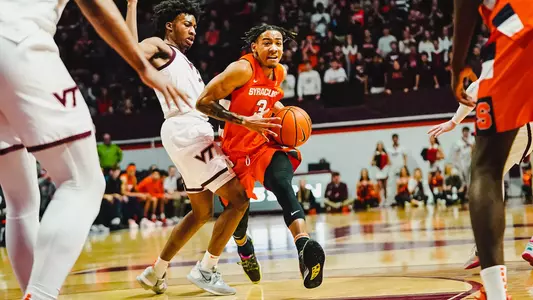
x=295, y=126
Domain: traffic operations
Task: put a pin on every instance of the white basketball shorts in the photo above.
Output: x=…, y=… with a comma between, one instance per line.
x=189, y=141
x=48, y=108
x=521, y=147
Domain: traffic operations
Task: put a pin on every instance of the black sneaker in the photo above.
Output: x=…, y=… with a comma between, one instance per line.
x=250, y=265
x=312, y=259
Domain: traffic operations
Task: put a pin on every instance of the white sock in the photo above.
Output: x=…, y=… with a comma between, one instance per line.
x=69, y=216
x=209, y=261
x=21, y=194
x=160, y=267
x=495, y=282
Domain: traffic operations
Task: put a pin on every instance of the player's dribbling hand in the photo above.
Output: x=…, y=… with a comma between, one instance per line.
x=442, y=128
x=458, y=86
x=262, y=125
x=152, y=78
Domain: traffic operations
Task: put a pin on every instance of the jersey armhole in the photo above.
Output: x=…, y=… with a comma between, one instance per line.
x=251, y=78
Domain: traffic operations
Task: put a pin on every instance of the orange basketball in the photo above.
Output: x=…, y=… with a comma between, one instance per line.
x=295, y=126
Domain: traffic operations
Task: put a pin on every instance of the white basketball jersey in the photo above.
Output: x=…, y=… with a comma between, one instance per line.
x=20, y=18
x=185, y=77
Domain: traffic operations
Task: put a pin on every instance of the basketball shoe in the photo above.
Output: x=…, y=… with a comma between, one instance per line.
x=250, y=264
x=149, y=281
x=473, y=260
x=527, y=255
x=312, y=258
x=483, y=295
x=210, y=281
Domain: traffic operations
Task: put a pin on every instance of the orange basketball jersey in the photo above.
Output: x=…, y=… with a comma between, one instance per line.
x=257, y=95
x=504, y=95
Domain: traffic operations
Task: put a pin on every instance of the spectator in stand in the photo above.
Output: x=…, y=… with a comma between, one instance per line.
x=396, y=80
x=212, y=35
x=359, y=77
x=289, y=86
x=306, y=198
x=433, y=154
x=402, y=190
x=109, y=216
x=454, y=188
x=176, y=204
x=384, y=43
x=336, y=194
x=381, y=163
x=133, y=209
x=367, y=193
x=445, y=41
x=110, y=154
x=426, y=44
x=309, y=84
x=475, y=60
x=394, y=55
x=349, y=49
x=377, y=75
x=436, y=185
x=425, y=75
x=321, y=19
x=406, y=42
x=153, y=187
x=368, y=48
x=447, y=73
x=328, y=45
x=417, y=189
x=462, y=154
x=104, y=102
x=336, y=73
x=310, y=50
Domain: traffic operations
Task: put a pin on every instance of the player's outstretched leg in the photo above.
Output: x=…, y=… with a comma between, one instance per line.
x=154, y=277
x=278, y=179
x=65, y=225
x=204, y=274
x=245, y=248
x=487, y=209
x=21, y=193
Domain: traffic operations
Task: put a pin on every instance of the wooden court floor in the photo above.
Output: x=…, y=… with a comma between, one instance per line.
x=381, y=254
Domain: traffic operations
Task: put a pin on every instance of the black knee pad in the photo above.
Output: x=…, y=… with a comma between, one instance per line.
x=278, y=179
x=240, y=232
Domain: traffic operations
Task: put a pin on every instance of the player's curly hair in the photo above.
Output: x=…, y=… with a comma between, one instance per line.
x=253, y=34
x=167, y=10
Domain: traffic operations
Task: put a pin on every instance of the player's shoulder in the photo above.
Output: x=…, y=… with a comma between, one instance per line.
x=240, y=70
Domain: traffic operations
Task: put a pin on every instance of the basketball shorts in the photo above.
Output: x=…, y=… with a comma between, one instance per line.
x=189, y=141
x=251, y=168
x=521, y=147
x=505, y=101
x=48, y=109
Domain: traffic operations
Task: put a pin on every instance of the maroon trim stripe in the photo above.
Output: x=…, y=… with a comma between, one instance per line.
x=215, y=177
x=11, y=149
x=60, y=142
x=169, y=61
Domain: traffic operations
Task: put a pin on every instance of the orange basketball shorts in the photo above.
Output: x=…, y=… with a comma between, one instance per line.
x=252, y=167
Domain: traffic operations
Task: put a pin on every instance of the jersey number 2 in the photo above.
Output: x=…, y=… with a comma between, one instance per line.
x=261, y=106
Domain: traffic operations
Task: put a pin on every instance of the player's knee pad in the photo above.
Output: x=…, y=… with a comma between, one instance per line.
x=291, y=216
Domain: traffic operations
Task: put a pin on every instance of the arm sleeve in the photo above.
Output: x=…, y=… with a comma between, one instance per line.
x=464, y=110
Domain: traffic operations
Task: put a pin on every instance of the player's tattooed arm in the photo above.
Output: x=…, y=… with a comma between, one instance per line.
x=236, y=75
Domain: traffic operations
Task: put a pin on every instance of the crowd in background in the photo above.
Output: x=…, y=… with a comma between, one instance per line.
x=389, y=182
x=380, y=46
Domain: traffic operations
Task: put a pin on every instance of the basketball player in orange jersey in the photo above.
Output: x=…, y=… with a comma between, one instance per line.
x=254, y=84
x=188, y=139
x=504, y=107
x=48, y=117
